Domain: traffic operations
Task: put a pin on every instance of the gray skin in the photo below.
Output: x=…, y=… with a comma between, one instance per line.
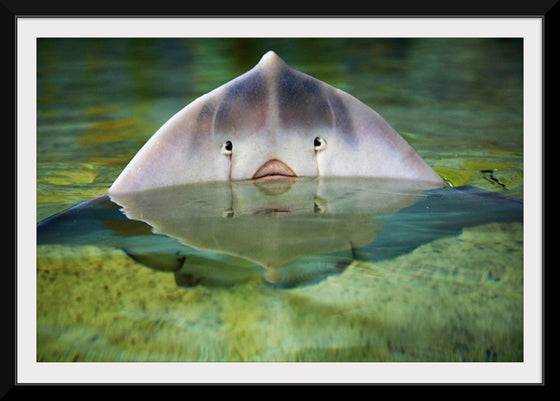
x=273, y=122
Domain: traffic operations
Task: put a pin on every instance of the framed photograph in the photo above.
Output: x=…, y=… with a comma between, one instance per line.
x=227, y=199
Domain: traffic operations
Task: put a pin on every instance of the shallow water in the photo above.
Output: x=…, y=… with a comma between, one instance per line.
x=456, y=298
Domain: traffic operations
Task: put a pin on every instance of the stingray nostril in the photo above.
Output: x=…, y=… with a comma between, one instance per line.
x=319, y=143
x=227, y=148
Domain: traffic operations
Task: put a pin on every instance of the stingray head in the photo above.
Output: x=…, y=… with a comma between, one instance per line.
x=272, y=122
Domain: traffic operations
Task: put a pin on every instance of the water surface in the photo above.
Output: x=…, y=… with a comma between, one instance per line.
x=457, y=298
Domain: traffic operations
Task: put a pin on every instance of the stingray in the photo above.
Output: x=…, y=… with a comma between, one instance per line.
x=269, y=123
x=274, y=176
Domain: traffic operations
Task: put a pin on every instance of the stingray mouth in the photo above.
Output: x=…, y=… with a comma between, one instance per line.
x=273, y=170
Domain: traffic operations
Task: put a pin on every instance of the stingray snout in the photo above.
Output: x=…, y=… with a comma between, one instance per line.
x=274, y=169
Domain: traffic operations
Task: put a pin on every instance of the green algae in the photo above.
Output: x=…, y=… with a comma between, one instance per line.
x=98, y=305
x=455, y=177
x=84, y=174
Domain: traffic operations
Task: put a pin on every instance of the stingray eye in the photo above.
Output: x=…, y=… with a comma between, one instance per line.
x=319, y=143
x=227, y=147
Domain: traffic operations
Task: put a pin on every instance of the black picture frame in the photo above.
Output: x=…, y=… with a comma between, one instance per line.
x=11, y=10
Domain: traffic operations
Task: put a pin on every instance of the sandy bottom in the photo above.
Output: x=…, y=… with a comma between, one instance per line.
x=455, y=299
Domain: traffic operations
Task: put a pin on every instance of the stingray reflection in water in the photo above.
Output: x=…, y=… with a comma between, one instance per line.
x=289, y=232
